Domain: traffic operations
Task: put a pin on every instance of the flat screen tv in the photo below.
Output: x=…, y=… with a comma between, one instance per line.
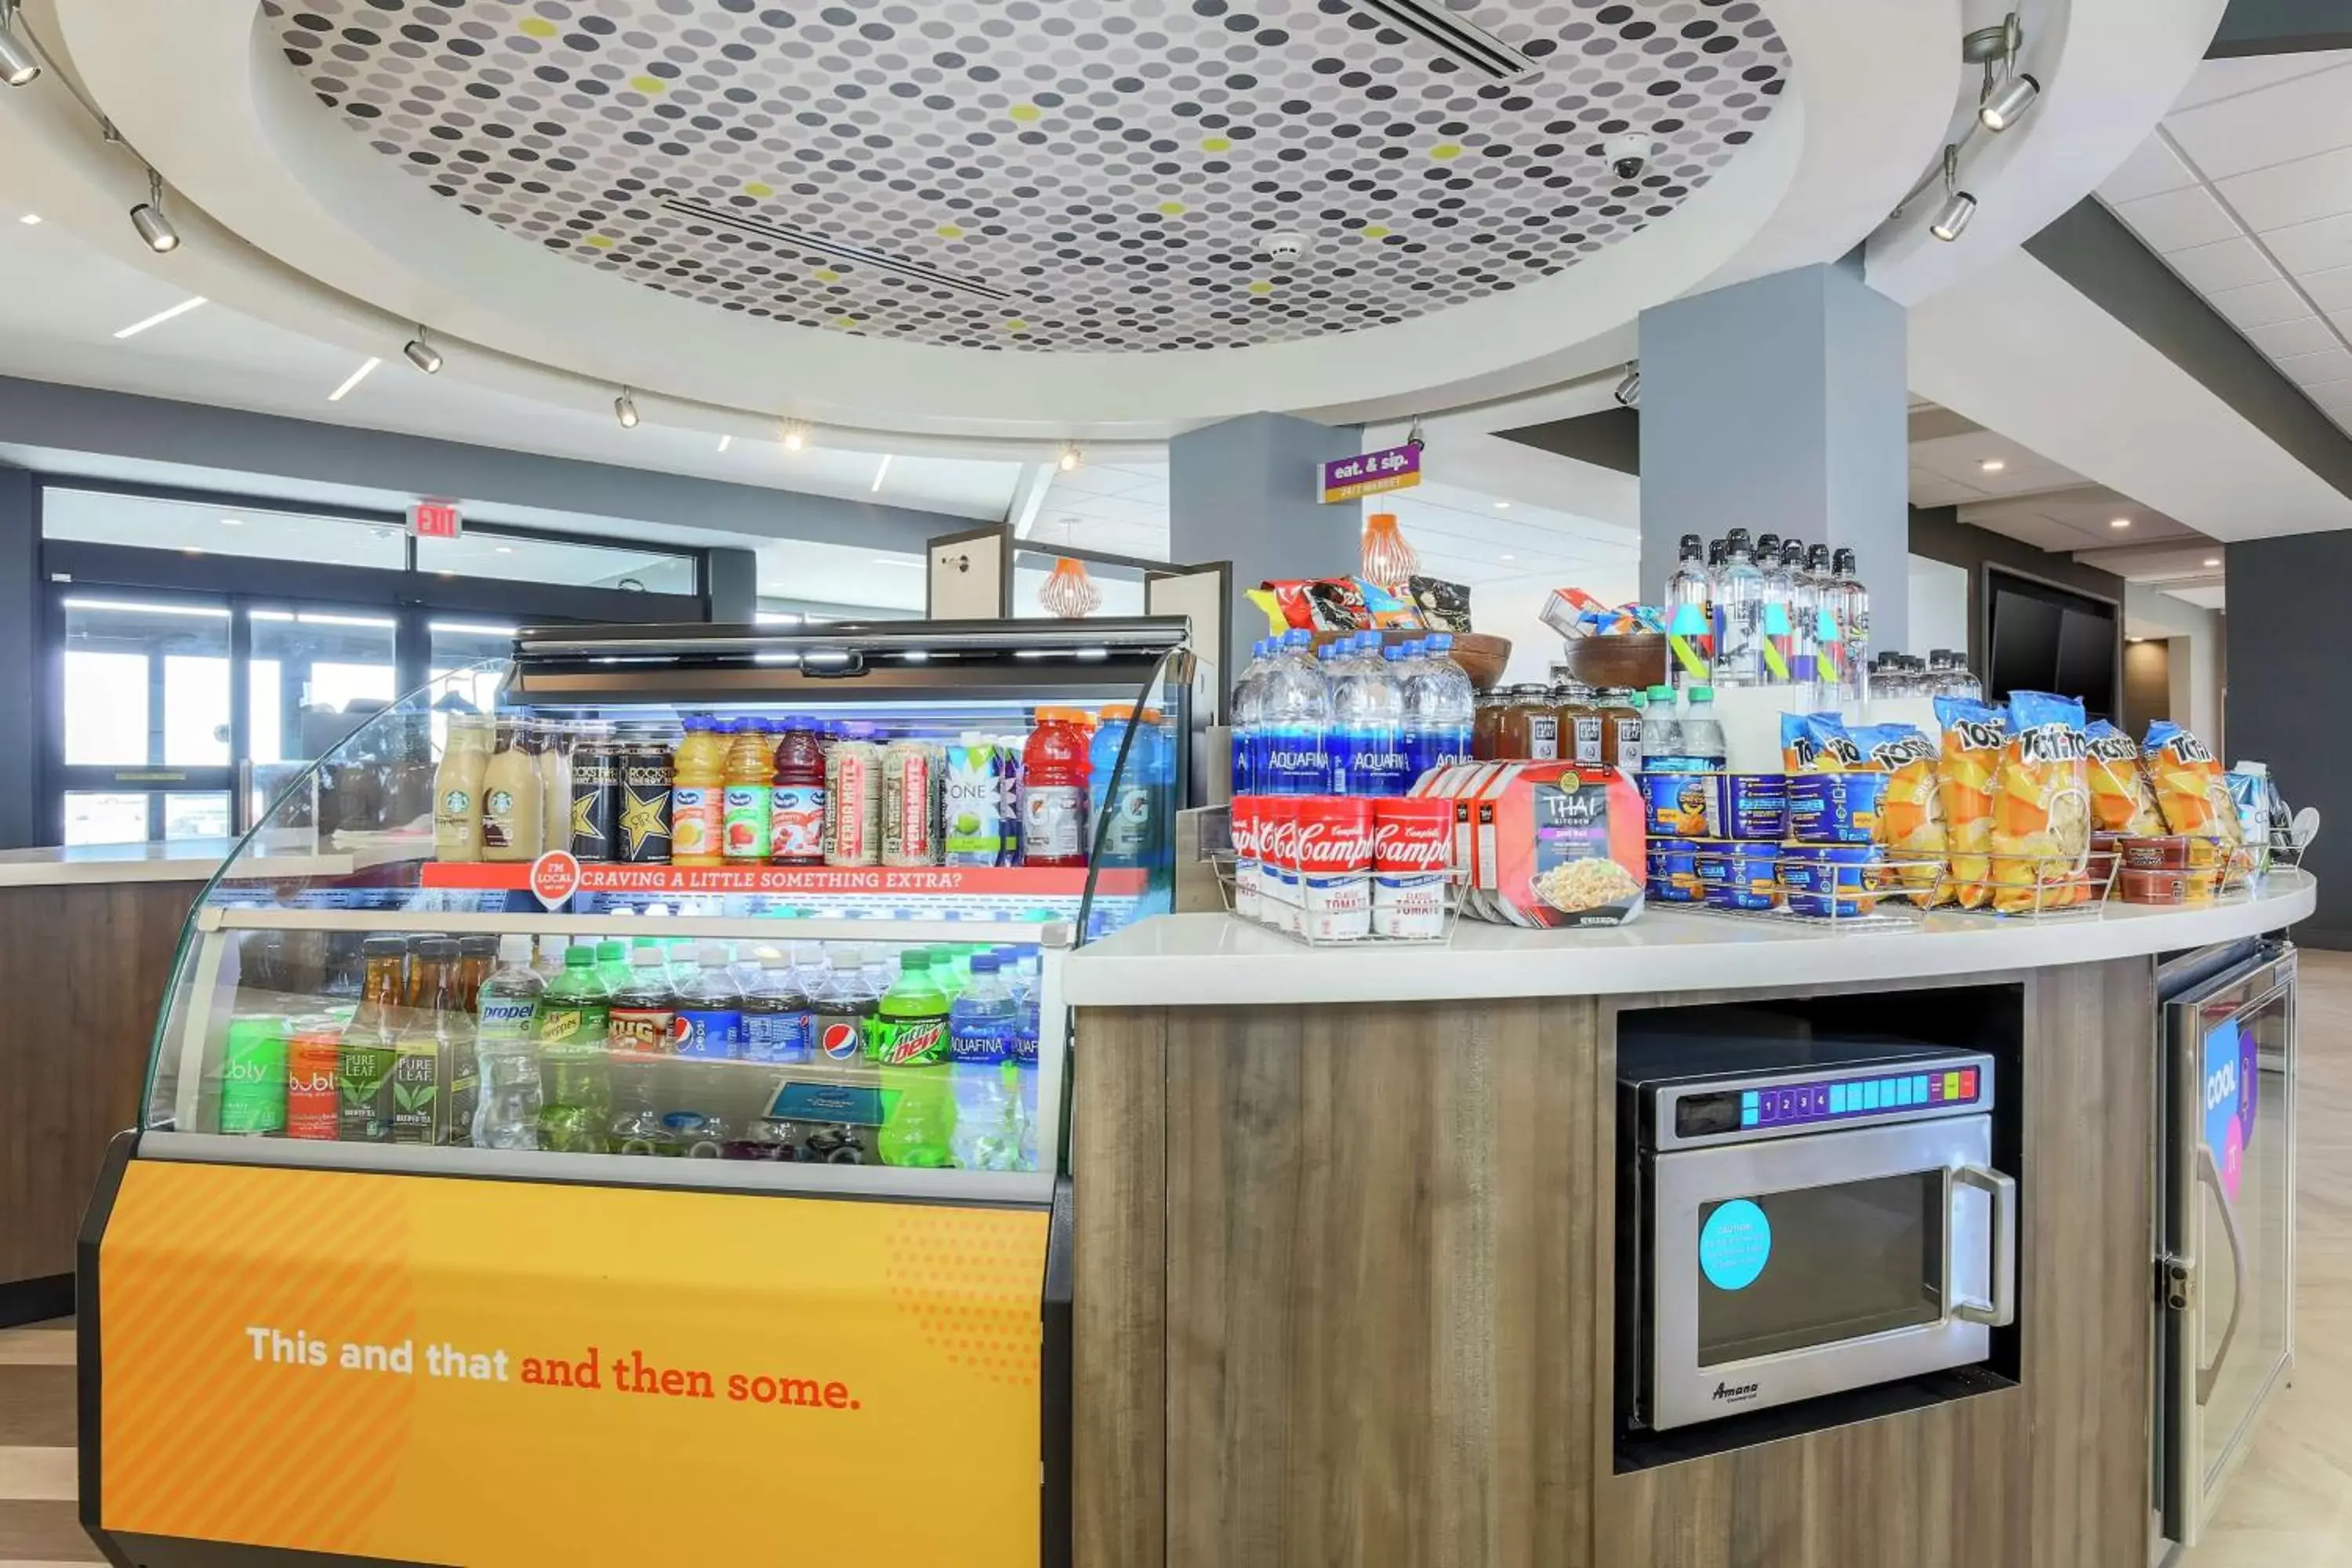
x=2040, y=638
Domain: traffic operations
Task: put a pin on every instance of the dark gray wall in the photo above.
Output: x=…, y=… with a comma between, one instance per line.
x=2290, y=710
x=2147, y=684
x=83, y=419
x=732, y=592
x=2282, y=28
x=20, y=659
x=1937, y=533
x=1610, y=438
x=1249, y=490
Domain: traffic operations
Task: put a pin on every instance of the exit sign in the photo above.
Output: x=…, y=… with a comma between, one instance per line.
x=436, y=520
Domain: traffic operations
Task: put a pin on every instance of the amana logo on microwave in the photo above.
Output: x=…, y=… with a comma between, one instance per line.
x=1733, y=1393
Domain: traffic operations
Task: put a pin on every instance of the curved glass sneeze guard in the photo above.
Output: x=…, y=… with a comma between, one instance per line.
x=330, y=1001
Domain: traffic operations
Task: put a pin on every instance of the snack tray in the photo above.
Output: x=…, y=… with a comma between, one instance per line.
x=1455, y=885
x=1900, y=891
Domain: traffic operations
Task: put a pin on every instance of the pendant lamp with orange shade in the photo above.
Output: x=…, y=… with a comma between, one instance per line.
x=1069, y=593
x=1388, y=560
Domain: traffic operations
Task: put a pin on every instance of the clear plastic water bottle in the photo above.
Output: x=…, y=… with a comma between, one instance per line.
x=1662, y=730
x=1804, y=614
x=1772, y=605
x=1295, y=719
x=1700, y=733
x=506, y=1053
x=1739, y=607
x=1248, y=694
x=984, y=1023
x=1456, y=702
x=1368, y=715
x=1686, y=607
x=1853, y=608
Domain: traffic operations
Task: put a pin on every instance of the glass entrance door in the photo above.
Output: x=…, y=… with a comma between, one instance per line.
x=180, y=716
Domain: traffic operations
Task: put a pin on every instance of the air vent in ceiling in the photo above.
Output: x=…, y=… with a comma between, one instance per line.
x=1455, y=36
x=804, y=239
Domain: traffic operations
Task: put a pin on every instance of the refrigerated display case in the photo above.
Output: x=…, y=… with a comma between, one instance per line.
x=426, y=1251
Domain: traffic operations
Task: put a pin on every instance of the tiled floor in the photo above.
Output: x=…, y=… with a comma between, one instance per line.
x=2290, y=1505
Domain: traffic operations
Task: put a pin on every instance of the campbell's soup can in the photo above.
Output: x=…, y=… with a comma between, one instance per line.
x=1412, y=850
x=313, y=1067
x=1245, y=819
x=1334, y=857
x=911, y=804
x=853, y=803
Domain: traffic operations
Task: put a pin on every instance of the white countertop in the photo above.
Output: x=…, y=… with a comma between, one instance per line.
x=1176, y=961
x=184, y=861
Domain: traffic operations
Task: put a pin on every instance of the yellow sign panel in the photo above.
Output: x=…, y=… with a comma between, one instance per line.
x=493, y=1372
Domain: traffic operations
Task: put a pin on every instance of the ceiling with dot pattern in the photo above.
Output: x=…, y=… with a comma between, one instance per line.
x=1045, y=175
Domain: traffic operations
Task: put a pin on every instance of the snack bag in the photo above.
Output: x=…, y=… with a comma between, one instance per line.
x=1910, y=814
x=1444, y=606
x=2121, y=798
x=1336, y=606
x=1573, y=612
x=1289, y=602
x=2041, y=818
x=1385, y=610
x=2194, y=798
x=1967, y=768
x=1817, y=743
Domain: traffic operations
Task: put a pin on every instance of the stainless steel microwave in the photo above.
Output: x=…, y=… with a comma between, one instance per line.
x=1804, y=1232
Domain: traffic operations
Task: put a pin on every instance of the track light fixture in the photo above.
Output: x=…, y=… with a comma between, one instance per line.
x=796, y=435
x=1959, y=207
x=1070, y=459
x=2004, y=108
x=422, y=353
x=18, y=63
x=624, y=409
x=2007, y=92
x=153, y=224
x=1628, y=391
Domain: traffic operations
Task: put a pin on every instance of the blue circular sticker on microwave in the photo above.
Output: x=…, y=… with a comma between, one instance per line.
x=1734, y=1245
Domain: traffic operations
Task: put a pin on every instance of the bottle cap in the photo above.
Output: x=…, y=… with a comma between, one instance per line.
x=848, y=958
x=1117, y=713
x=1393, y=654
x=984, y=964
x=647, y=956
x=711, y=955
x=515, y=950
x=610, y=949
x=1440, y=642
x=1690, y=545
x=1701, y=693
x=1664, y=694
x=774, y=957
x=914, y=958
x=580, y=955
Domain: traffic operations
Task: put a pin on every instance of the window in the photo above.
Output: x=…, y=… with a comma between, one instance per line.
x=100, y=517
x=510, y=558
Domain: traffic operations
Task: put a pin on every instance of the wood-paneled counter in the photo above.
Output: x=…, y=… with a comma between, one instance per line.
x=1345, y=1273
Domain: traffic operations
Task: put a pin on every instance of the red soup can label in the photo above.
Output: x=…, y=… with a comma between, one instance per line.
x=1335, y=867
x=1412, y=850
x=1245, y=820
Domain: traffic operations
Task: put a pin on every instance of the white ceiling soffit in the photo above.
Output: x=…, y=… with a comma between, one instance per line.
x=2108, y=70
x=332, y=238
x=2018, y=351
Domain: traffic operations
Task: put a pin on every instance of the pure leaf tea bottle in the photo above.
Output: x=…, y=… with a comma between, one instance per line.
x=364, y=1060
x=435, y=1082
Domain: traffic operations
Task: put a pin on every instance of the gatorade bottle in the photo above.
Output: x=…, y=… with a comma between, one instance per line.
x=796, y=799
x=1054, y=781
x=745, y=802
x=1121, y=803
x=698, y=795
x=909, y=1044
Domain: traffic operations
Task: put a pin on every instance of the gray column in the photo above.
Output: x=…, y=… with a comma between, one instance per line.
x=22, y=818
x=1779, y=406
x=1248, y=491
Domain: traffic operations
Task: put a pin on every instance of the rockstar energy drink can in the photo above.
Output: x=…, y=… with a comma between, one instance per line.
x=641, y=826
x=596, y=801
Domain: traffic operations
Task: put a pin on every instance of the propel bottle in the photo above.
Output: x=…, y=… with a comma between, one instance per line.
x=909, y=1044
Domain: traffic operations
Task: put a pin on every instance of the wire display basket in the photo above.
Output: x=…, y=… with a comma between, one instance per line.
x=1852, y=888
x=1357, y=913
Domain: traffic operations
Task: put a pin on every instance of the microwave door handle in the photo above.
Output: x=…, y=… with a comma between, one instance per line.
x=2209, y=1174
x=2000, y=1310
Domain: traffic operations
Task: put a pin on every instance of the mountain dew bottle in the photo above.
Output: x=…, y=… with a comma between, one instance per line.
x=908, y=1041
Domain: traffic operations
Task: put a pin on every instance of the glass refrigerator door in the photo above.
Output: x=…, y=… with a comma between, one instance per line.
x=2229, y=1322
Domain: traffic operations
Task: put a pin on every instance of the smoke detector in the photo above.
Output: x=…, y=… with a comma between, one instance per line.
x=1286, y=247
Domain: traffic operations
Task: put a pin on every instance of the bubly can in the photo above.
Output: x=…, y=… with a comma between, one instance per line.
x=314, y=1068
x=253, y=1077
x=1412, y=850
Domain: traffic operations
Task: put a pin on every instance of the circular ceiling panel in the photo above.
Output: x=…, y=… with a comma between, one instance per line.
x=1066, y=174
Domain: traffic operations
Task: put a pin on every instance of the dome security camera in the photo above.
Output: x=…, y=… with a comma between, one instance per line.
x=1629, y=154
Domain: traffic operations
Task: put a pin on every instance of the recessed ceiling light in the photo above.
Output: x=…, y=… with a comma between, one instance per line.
x=881, y=472
x=2119, y=522
x=160, y=317
x=30, y=219
x=192, y=550
x=2213, y=560
x=1510, y=558
x=232, y=523
x=1502, y=505
x=895, y=560
x=2134, y=640
x=503, y=549
x=353, y=379
x=725, y=442
x=1992, y=466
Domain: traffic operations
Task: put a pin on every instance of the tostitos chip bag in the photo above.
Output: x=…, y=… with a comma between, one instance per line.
x=1910, y=814
x=1817, y=743
x=2193, y=793
x=1966, y=769
x=2121, y=798
x=2042, y=814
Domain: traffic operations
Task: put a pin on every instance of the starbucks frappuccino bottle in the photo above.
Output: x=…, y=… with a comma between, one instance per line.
x=512, y=797
x=457, y=789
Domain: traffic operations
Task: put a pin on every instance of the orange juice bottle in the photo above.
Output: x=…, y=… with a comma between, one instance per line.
x=743, y=815
x=698, y=795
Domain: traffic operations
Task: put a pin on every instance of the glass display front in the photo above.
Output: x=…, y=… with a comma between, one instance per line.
x=1842, y=1261
x=714, y=908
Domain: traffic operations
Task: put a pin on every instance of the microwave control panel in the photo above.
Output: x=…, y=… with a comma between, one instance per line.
x=1732, y=1111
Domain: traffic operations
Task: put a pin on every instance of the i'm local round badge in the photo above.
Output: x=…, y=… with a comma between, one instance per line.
x=555, y=877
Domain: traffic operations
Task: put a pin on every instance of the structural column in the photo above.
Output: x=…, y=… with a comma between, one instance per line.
x=1780, y=405
x=21, y=695
x=1249, y=491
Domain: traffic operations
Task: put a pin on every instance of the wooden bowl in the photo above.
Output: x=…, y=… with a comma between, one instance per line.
x=1481, y=655
x=1635, y=658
